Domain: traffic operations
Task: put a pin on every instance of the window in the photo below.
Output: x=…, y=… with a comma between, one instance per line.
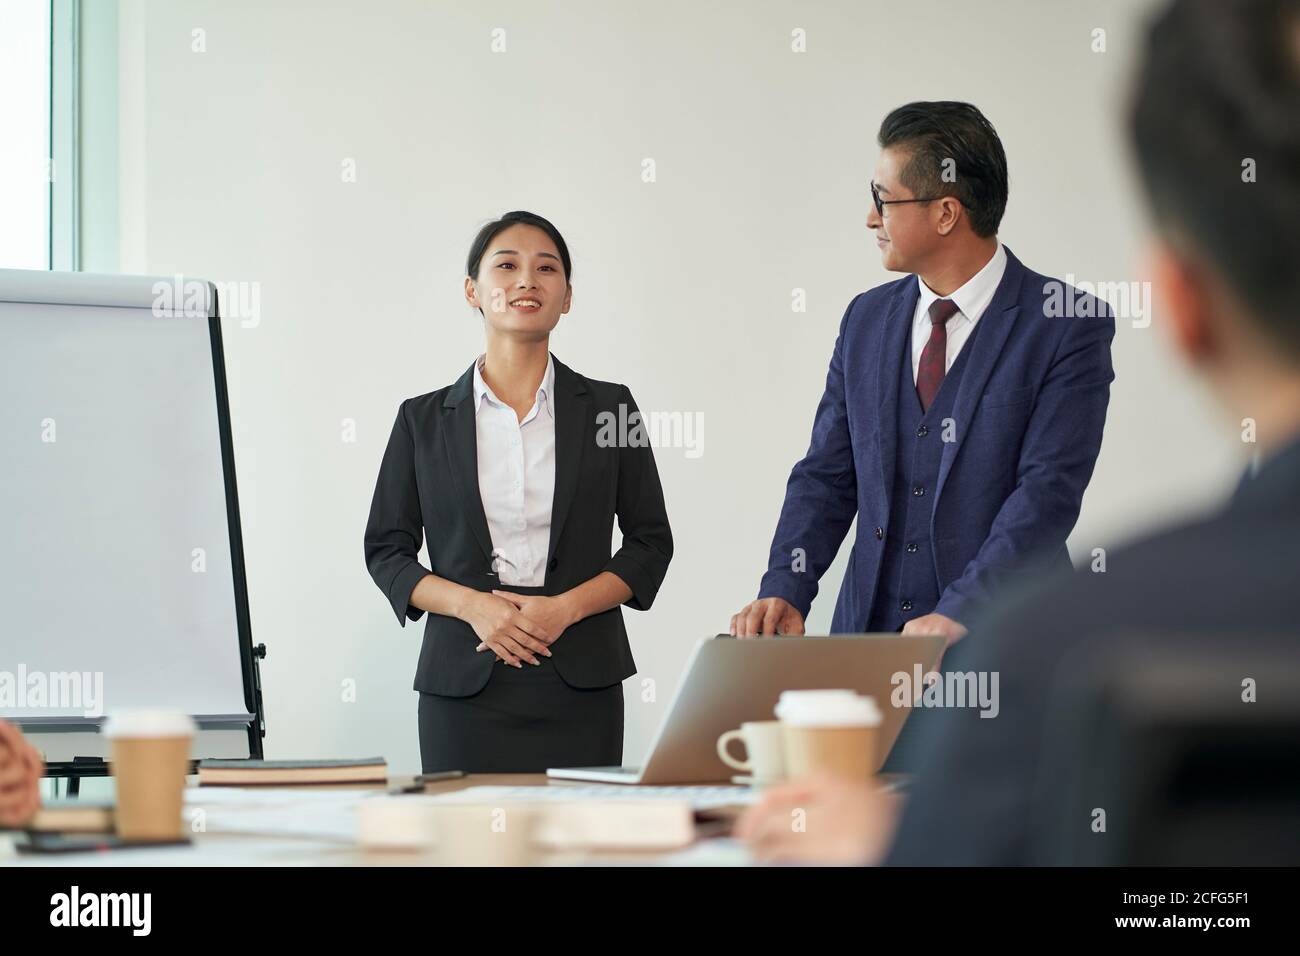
x=38, y=110
x=25, y=115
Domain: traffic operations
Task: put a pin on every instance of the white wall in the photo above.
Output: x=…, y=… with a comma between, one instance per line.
x=231, y=165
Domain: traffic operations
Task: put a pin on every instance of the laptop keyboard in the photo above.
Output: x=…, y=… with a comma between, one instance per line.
x=700, y=797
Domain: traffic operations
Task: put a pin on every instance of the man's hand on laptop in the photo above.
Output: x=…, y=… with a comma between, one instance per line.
x=946, y=627
x=952, y=631
x=772, y=615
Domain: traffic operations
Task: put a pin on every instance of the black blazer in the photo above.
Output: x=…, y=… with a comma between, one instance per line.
x=428, y=486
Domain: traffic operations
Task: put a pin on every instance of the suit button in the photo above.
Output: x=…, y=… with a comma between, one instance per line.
x=922, y=432
x=919, y=491
x=911, y=548
x=906, y=605
x=880, y=534
x=551, y=566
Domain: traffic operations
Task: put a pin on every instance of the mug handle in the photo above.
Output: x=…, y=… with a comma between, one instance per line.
x=726, y=758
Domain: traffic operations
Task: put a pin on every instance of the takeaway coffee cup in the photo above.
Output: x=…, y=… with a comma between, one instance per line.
x=834, y=731
x=150, y=758
x=764, y=742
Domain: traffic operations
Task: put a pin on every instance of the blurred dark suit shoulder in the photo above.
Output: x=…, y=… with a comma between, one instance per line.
x=1232, y=575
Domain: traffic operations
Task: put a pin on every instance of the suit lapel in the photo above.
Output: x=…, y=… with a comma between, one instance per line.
x=573, y=429
x=986, y=344
x=460, y=436
x=892, y=362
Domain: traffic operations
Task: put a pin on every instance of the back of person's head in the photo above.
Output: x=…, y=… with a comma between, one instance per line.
x=1215, y=124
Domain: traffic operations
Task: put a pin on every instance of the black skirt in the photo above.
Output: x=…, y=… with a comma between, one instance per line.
x=523, y=721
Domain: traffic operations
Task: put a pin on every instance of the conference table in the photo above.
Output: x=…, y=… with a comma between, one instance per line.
x=712, y=844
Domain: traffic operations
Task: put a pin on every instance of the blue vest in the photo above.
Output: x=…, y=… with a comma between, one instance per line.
x=909, y=584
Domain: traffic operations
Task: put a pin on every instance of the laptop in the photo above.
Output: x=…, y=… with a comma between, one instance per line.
x=730, y=680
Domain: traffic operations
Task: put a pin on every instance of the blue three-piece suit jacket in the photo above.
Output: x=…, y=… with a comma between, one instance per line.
x=950, y=501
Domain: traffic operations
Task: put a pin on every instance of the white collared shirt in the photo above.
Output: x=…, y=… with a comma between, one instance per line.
x=971, y=299
x=516, y=478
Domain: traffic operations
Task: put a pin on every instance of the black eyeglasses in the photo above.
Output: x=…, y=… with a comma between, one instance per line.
x=882, y=203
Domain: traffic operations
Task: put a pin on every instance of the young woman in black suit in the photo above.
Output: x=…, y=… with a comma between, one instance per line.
x=514, y=475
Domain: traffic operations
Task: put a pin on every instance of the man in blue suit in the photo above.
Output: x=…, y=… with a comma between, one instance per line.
x=963, y=409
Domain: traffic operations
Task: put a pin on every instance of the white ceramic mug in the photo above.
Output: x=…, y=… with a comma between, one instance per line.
x=764, y=742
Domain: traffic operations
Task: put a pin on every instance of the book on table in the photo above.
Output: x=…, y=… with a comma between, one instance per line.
x=243, y=773
x=73, y=815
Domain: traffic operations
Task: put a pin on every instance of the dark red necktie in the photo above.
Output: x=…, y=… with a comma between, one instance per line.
x=929, y=373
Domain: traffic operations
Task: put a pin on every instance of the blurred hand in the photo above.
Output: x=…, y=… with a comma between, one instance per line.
x=821, y=819
x=772, y=615
x=505, y=630
x=21, y=768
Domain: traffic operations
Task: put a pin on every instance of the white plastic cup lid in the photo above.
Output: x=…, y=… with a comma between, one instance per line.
x=149, y=723
x=827, y=708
